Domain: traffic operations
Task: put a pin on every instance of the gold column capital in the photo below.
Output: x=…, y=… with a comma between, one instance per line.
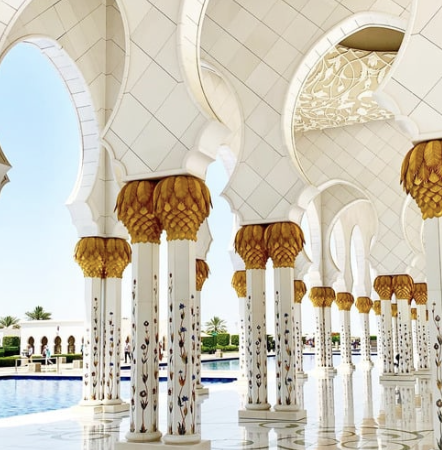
x=403, y=287
x=394, y=310
x=329, y=296
x=118, y=256
x=239, y=283
x=383, y=286
x=90, y=255
x=299, y=290
x=377, y=307
x=413, y=313
x=181, y=203
x=420, y=293
x=250, y=245
x=135, y=210
x=364, y=304
x=421, y=177
x=202, y=273
x=284, y=240
x=344, y=301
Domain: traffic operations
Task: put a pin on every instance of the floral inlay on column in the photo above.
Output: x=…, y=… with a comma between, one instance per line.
x=364, y=305
x=251, y=246
x=136, y=211
x=421, y=296
x=300, y=290
x=284, y=240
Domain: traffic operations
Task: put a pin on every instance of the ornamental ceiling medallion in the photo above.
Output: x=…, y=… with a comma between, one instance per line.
x=339, y=90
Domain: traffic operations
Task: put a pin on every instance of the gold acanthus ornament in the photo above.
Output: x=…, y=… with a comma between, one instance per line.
x=118, y=256
x=182, y=203
x=377, y=307
x=394, y=310
x=102, y=257
x=413, y=313
x=90, y=255
x=135, y=209
x=420, y=293
x=250, y=245
x=299, y=290
x=421, y=177
x=284, y=240
x=364, y=304
x=321, y=296
x=403, y=287
x=239, y=283
x=344, y=301
x=383, y=286
x=202, y=273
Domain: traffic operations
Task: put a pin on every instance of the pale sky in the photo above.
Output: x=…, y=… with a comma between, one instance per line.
x=39, y=136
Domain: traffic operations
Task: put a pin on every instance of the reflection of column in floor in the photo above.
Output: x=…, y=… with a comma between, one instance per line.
x=368, y=424
x=290, y=435
x=349, y=430
x=326, y=435
x=198, y=402
x=256, y=434
x=423, y=402
x=406, y=399
x=387, y=408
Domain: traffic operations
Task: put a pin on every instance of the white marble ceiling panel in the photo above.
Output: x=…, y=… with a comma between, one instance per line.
x=263, y=200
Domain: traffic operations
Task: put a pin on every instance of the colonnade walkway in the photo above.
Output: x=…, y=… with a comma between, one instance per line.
x=343, y=411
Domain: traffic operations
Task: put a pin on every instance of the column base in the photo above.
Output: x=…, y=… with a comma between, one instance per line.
x=191, y=441
x=395, y=378
x=324, y=372
x=423, y=373
x=291, y=415
x=366, y=364
x=303, y=375
x=141, y=438
x=202, y=391
x=346, y=368
x=88, y=407
x=114, y=406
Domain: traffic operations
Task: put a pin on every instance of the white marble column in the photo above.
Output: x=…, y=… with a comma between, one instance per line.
x=240, y=285
x=250, y=245
x=377, y=312
x=414, y=338
x=383, y=287
x=420, y=296
x=90, y=256
x=364, y=304
x=118, y=256
x=135, y=210
x=320, y=297
x=284, y=240
x=344, y=301
x=202, y=272
x=299, y=293
x=403, y=289
x=181, y=203
x=394, y=331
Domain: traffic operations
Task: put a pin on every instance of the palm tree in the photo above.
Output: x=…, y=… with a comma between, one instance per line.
x=9, y=321
x=38, y=314
x=216, y=325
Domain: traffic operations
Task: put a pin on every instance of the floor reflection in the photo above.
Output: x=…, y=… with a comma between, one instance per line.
x=344, y=411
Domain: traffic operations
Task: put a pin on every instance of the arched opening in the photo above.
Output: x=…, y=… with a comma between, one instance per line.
x=71, y=344
x=43, y=344
x=39, y=134
x=57, y=345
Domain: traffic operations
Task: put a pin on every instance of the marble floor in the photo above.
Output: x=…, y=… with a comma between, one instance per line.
x=344, y=411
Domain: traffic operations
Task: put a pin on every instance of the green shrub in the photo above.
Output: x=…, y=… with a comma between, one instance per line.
x=2, y=352
x=228, y=348
x=69, y=356
x=223, y=339
x=8, y=361
x=11, y=341
x=208, y=341
x=270, y=343
x=11, y=350
x=234, y=339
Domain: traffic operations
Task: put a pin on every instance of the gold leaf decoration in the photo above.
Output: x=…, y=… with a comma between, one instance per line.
x=421, y=177
x=329, y=296
x=181, y=203
x=403, y=287
x=394, y=310
x=383, y=286
x=420, y=293
x=118, y=256
x=202, y=273
x=135, y=210
x=90, y=255
x=413, y=313
x=239, y=283
x=377, y=307
x=299, y=289
x=344, y=301
x=322, y=296
x=250, y=245
x=284, y=240
x=364, y=304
